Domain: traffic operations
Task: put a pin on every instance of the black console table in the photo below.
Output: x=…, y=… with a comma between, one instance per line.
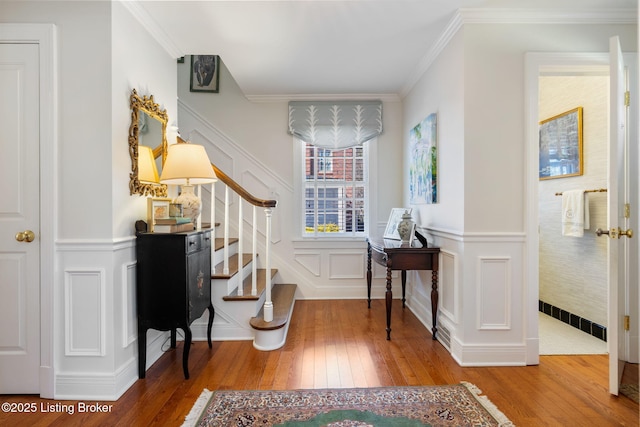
x=173, y=287
x=398, y=256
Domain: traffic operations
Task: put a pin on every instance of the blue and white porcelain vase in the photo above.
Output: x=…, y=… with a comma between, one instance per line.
x=405, y=226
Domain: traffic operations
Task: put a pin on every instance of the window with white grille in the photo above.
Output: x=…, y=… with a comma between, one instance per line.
x=335, y=190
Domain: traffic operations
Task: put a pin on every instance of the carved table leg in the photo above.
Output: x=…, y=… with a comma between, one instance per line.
x=369, y=274
x=434, y=301
x=389, y=298
x=404, y=286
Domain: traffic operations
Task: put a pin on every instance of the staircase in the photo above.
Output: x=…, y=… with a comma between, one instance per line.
x=248, y=302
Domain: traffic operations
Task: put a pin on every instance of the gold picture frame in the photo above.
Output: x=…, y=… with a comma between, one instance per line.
x=561, y=145
x=157, y=207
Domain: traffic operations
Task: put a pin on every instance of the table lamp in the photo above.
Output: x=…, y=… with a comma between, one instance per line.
x=187, y=165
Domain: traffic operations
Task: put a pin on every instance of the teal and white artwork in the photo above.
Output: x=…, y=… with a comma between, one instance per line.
x=423, y=170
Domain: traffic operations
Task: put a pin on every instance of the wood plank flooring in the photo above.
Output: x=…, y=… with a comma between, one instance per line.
x=342, y=344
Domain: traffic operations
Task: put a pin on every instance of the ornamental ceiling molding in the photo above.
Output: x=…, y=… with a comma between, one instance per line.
x=515, y=16
x=143, y=17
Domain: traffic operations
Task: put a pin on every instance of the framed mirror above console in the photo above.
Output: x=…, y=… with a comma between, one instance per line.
x=147, y=146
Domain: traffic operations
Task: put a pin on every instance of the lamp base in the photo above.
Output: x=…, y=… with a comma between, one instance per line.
x=191, y=204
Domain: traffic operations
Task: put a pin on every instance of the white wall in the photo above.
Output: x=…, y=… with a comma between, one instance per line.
x=249, y=142
x=101, y=55
x=483, y=271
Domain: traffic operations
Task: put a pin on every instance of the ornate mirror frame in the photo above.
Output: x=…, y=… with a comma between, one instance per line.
x=146, y=105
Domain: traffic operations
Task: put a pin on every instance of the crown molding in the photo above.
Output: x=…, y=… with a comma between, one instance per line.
x=548, y=16
x=140, y=14
x=515, y=16
x=385, y=97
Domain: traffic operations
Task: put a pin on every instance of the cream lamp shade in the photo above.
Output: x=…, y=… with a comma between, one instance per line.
x=187, y=164
x=147, y=170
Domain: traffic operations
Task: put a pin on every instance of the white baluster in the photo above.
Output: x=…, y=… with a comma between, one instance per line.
x=240, y=245
x=268, y=304
x=254, y=253
x=225, y=269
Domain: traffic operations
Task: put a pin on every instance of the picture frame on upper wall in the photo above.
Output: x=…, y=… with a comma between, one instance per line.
x=391, y=230
x=560, y=149
x=423, y=167
x=157, y=207
x=205, y=73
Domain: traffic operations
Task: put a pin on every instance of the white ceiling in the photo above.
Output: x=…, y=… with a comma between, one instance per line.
x=304, y=47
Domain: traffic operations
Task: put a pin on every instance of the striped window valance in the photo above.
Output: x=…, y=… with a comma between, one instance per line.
x=335, y=125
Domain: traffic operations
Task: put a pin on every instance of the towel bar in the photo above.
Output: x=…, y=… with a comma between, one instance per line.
x=600, y=190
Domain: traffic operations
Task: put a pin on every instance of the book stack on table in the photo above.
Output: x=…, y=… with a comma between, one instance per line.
x=173, y=225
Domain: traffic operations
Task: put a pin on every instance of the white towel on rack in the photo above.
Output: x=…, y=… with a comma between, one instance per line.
x=575, y=213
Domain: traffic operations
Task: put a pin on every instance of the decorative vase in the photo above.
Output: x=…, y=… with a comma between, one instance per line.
x=191, y=204
x=405, y=226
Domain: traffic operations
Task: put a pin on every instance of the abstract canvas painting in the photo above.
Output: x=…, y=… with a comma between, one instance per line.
x=423, y=170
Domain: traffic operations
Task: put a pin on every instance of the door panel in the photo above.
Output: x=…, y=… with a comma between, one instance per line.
x=19, y=213
x=617, y=219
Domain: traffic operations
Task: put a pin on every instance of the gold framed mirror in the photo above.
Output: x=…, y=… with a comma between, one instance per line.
x=148, y=129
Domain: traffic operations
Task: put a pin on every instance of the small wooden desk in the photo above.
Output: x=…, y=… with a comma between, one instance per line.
x=397, y=256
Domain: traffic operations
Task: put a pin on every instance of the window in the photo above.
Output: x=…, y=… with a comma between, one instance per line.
x=335, y=190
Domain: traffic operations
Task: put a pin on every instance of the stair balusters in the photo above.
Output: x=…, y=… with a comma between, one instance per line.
x=243, y=196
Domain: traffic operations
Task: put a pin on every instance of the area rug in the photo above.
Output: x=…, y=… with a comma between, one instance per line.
x=631, y=391
x=446, y=405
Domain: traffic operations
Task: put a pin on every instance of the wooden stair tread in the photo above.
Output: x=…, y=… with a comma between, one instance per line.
x=283, y=297
x=219, y=242
x=246, y=287
x=233, y=266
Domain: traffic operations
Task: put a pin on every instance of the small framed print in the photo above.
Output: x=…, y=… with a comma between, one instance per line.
x=561, y=145
x=391, y=232
x=205, y=73
x=157, y=207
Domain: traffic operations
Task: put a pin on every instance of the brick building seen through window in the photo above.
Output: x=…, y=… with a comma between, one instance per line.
x=335, y=190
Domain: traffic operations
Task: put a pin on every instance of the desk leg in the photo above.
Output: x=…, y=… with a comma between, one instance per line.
x=369, y=274
x=404, y=286
x=212, y=313
x=434, y=301
x=185, y=352
x=389, y=298
x=142, y=350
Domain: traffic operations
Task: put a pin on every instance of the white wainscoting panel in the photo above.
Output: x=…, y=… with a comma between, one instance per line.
x=449, y=286
x=346, y=265
x=494, y=293
x=129, y=327
x=310, y=261
x=84, y=317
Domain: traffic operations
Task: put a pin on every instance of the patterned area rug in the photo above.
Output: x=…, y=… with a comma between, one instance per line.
x=631, y=391
x=448, y=405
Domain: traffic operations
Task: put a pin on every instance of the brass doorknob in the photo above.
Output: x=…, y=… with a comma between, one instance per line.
x=25, y=236
x=628, y=233
x=615, y=233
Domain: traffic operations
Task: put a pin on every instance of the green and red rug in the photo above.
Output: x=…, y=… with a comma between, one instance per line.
x=443, y=405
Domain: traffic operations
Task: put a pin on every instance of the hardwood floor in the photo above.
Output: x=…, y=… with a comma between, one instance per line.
x=342, y=344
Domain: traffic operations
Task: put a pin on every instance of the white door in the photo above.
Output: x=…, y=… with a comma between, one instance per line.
x=618, y=214
x=19, y=218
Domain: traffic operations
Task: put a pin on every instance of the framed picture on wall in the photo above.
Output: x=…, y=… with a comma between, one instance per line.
x=205, y=73
x=561, y=145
